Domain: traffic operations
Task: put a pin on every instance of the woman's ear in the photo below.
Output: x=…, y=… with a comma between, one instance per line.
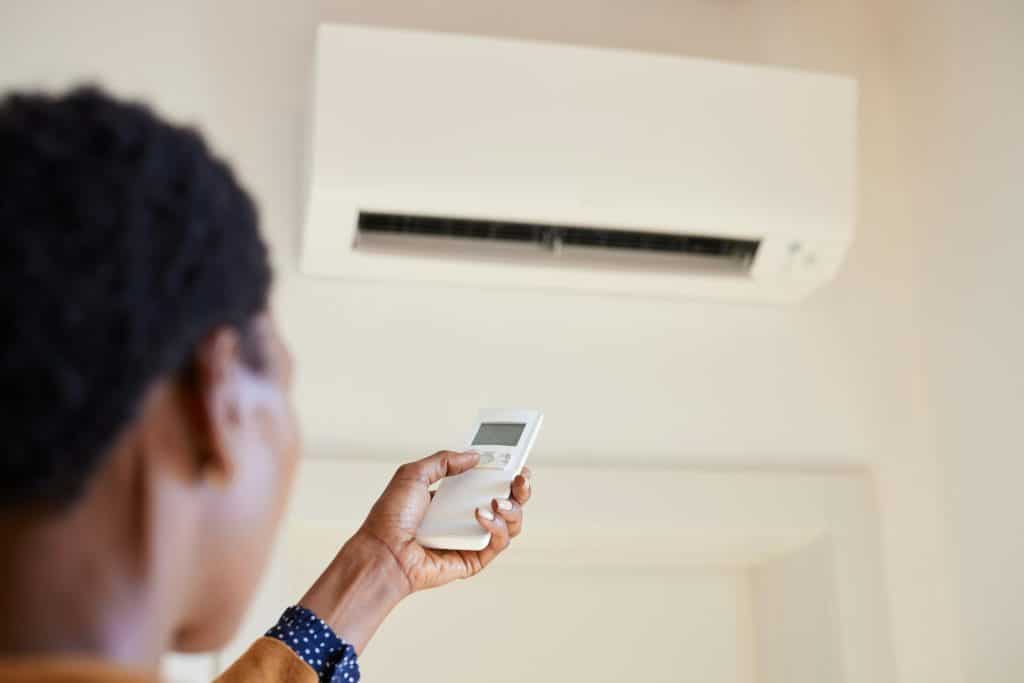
x=215, y=396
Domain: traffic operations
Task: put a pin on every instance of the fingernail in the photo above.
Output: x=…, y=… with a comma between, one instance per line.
x=504, y=504
x=526, y=482
x=486, y=514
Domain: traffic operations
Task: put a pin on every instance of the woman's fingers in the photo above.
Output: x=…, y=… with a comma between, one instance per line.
x=499, y=534
x=502, y=518
x=521, y=487
x=511, y=512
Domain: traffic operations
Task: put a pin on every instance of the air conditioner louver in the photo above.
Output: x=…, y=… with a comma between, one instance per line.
x=450, y=234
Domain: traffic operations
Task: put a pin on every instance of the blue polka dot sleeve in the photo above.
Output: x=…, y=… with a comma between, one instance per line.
x=333, y=660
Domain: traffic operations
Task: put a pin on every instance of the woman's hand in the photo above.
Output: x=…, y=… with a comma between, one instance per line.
x=382, y=562
x=394, y=519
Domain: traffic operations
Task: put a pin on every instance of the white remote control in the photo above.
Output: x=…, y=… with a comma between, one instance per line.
x=503, y=439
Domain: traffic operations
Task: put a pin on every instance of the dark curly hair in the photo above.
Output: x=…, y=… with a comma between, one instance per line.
x=123, y=242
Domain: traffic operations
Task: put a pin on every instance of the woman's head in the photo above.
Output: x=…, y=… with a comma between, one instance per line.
x=146, y=387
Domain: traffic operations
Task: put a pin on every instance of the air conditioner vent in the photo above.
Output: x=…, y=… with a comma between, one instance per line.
x=731, y=254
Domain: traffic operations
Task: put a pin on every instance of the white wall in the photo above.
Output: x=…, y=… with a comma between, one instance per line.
x=960, y=69
x=575, y=624
x=711, y=576
x=536, y=616
x=916, y=537
x=795, y=604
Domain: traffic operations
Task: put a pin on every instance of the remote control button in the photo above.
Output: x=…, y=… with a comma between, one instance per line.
x=491, y=460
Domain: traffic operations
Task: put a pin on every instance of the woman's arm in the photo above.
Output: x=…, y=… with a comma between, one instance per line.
x=383, y=563
x=380, y=565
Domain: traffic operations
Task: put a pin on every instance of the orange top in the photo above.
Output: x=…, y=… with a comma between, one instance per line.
x=267, y=661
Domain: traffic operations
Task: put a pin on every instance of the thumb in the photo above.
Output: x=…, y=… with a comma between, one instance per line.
x=441, y=464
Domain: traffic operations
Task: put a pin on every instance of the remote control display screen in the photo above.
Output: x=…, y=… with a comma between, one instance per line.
x=499, y=433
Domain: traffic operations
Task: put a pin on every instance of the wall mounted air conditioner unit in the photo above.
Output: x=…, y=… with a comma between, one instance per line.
x=484, y=162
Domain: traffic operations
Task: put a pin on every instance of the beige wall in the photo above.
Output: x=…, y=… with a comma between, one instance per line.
x=655, y=626
x=241, y=70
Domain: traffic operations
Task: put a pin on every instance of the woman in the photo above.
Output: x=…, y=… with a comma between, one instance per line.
x=149, y=440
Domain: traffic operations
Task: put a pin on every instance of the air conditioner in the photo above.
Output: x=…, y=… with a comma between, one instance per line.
x=503, y=163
